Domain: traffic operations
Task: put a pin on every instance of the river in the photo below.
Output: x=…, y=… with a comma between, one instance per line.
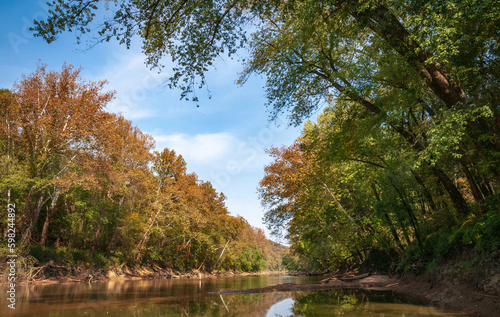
x=194, y=297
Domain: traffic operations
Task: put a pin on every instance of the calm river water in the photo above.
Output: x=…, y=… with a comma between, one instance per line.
x=193, y=297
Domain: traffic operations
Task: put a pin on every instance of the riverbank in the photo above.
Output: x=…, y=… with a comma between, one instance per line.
x=51, y=273
x=422, y=289
x=418, y=289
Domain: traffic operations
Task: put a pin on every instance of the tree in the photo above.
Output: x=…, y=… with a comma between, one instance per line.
x=325, y=216
x=409, y=63
x=56, y=120
x=90, y=190
x=348, y=192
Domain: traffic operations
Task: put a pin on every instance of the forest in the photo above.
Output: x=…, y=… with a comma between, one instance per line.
x=88, y=189
x=400, y=170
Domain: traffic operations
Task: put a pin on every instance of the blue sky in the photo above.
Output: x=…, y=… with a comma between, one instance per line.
x=223, y=140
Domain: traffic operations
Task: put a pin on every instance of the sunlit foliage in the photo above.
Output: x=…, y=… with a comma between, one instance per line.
x=89, y=190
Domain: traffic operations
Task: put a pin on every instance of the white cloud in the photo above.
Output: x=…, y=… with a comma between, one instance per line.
x=200, y=148
x=220, y=158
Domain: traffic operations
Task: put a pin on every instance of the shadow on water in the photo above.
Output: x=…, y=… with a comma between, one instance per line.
x=191, y=297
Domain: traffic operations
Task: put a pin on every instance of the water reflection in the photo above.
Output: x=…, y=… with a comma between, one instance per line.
x=282, y=309
x=360, y=303
x=191, y=297
x=93, y=298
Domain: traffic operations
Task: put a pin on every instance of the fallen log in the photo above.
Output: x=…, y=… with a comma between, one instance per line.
x=353, y=278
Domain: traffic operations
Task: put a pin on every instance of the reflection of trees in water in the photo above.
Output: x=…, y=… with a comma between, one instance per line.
x=255, y=305
x=139, y=299
x=361, y=303
x=335, y=302
x=176, y=296
x=251, y=305
x=244, y=305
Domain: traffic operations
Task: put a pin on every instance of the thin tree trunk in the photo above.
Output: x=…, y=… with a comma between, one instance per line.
x=476, y=193
x=50, y=214
x=95, y=239
x=389, y=223
x=411, y=215
x=456, y=197
x=145, y=237
x=427, y=193
x=336, y=201
x=403, y=228
x=115, y=232
x=485, y=188
x=33, y=220
x=25, y=217
x=220, y=256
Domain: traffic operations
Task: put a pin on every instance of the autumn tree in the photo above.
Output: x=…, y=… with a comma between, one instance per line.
x=54, y=117
x=90, y=189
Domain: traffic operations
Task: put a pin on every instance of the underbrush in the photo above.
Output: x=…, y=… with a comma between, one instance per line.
x=469, y=251
x=73, y=257
x=24, y=264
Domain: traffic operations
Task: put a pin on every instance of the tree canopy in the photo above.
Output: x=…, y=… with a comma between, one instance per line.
x=437, y=58
x=411, y=97
x=88, y=187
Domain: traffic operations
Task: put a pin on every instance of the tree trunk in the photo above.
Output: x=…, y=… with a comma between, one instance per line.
x=341, y=208
x=50, y=214
x=476, y=193
x=33, y=220
x=95, y=240
x=384, y=23
x=456, y=197
x=25, y=217
x=485, y=188
x=220, y=256
x=427, y=193
x=389, y=223
x=403, y=229
x=115, y=232
x=145, y=237
x=411, y=215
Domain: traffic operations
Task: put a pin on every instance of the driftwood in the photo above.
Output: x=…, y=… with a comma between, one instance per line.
x=344, y=278
x=34, y=271
x=353, y=278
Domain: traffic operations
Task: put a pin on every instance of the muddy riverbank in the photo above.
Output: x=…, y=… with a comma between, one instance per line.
x=51, y=273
